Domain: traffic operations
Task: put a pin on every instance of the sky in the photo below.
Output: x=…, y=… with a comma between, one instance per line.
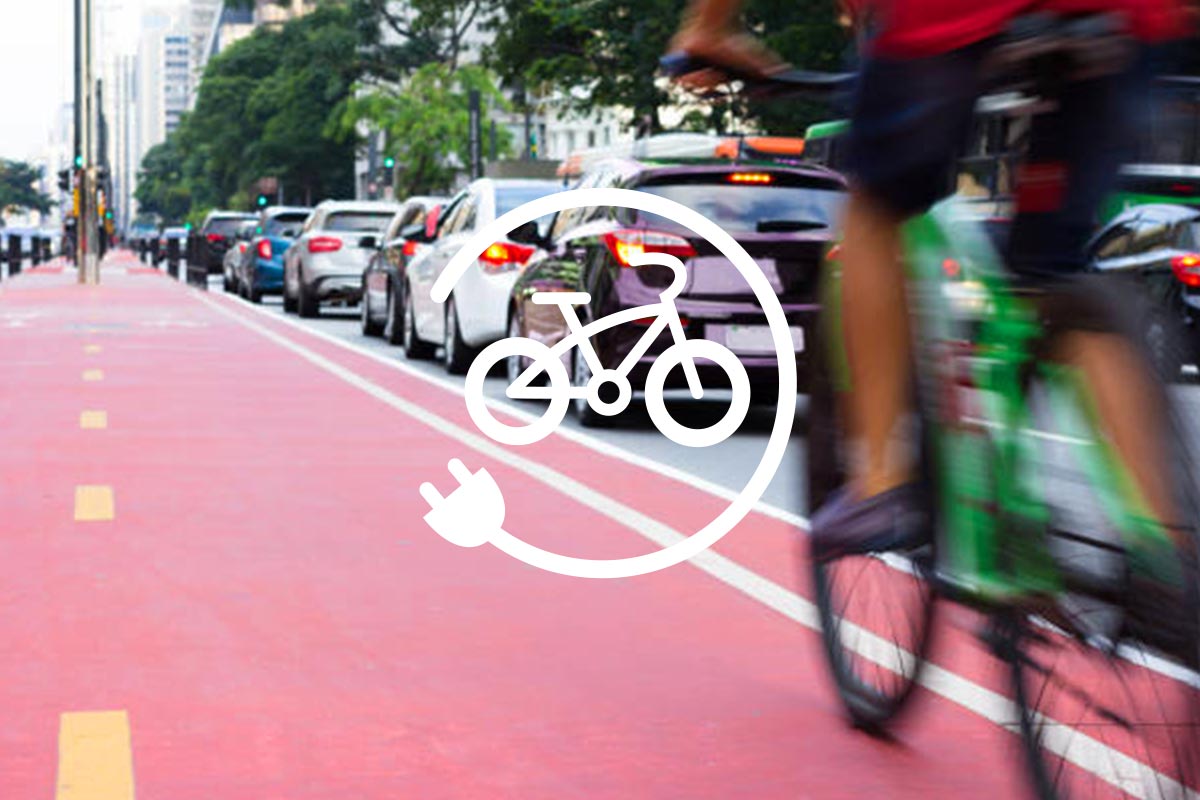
x=37, y=63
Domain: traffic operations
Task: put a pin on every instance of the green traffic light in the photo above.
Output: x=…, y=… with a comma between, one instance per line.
x=187, y=226
x=78, y=162
x=108, y=215
x=389, y=162
x=263, y=200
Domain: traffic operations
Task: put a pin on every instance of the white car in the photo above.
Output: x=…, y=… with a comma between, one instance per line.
x=476, y=314
x=326, y=263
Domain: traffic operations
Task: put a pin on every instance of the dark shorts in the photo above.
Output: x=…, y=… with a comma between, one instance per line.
x=911, y=120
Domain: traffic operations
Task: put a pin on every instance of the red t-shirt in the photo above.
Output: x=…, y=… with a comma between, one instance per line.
x=914, y=28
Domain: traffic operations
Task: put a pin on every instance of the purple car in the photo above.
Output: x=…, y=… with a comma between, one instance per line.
x=783, y=215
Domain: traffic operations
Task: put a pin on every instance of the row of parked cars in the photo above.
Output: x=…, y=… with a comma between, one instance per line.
x=385, y=257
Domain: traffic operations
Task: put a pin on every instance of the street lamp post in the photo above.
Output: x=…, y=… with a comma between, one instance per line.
x=85, y=157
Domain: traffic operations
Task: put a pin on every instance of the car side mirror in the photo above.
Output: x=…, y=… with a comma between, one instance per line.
x=529, y=233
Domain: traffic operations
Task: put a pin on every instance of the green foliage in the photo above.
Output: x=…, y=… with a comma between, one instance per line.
x=428, y=121
x=17, y=191
x=161, y=189
x=605, y=52
x=260, y=112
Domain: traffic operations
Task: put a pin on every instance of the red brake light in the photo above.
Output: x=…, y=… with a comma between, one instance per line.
x=324, y=244
x=241, y=247
x=264, y=250
x=215, y=237
x=626, y=245
x=410, y=248
x=951, y=268
x=1187, y=269
x=834, y=253
x=751, y=177
x=503, y=254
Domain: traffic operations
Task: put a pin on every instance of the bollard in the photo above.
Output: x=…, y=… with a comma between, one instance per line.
x=15, y=256
x=173, y=257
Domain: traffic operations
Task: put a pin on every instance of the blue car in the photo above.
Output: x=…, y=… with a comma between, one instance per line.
x=260, y=270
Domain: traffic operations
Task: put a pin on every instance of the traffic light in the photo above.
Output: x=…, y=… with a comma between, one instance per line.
x=389, y=163
x=64, y=180
x=262, y=201
x=78, y=162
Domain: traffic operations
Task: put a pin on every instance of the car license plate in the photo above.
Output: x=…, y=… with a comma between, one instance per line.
x=755, y=339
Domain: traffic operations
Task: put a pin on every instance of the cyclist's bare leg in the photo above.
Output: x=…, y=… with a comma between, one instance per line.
x=1128, y=403
x=875, y=329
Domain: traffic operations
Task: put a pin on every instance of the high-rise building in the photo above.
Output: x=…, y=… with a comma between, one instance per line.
x=199, y=21
x=163, y=79
x=228, y=26
x=274, y=12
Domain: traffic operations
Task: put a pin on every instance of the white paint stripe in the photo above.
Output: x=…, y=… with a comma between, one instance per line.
x=1075, y=747
x=577, y=437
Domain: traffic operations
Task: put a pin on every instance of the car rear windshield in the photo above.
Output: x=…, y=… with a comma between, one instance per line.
x=1183, y=187
x=511, y=197
x=278, y=224
x=783, y=205
x=224, y=226
x=358, y=222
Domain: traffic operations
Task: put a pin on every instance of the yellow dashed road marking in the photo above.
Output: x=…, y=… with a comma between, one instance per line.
x=93, y=420
x=92, y=349
x=94, y=504
x=95, y=758
x=93, y=375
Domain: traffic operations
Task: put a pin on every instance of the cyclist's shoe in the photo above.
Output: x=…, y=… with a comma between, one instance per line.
x=1163, y=606
x=897, y=519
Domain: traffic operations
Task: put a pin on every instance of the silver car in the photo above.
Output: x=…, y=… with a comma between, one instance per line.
x=326, y=263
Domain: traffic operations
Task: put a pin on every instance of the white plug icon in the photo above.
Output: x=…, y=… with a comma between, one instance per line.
x=473, y=513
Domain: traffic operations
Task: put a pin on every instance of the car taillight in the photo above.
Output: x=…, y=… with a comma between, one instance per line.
x=627, y=245
x=951, y=268
x=503, y=254
x=1187, y=269
x=760, y=178
x=215, y=237
x=324, y=244
x=410, y=248
x=264, y=250
x=241, y=247
x=834, y=253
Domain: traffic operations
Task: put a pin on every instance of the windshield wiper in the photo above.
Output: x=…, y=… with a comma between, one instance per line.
x=788, y=225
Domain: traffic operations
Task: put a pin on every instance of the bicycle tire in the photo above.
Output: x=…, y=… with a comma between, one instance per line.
x=871, y=705
x=1139, y=709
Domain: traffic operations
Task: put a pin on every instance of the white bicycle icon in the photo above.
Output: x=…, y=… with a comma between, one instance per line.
x=559, y=391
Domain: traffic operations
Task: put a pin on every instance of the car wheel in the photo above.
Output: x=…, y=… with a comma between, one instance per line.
x=514, y=365
x=414, y=347
x=289, y=300
x=227, y=285
x=393, y=324
x=457, y=355
x=307, y=305
x=254, y=294
x=581, y=373
x=369, y=326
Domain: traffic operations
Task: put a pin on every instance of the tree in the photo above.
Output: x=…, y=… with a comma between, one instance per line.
x=605, y=52
x=17, y=191
x=160, y=188
x=427, y=123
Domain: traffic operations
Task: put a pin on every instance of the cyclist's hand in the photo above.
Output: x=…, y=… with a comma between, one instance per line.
x=740, y=54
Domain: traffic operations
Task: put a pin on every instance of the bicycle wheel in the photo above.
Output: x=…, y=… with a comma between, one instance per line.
x=876, y=609
x=558, y=392
x=697, y=350
x=1101, y=709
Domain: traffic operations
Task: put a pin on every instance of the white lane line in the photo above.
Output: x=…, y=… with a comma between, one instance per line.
x=586, y=440
x=1086, y=753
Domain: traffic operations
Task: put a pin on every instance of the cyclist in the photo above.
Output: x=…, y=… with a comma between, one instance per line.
x=923, y=70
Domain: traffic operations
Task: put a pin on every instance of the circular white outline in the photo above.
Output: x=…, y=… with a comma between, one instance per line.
x=720, y=355
x=711, y=533
x=481, y=415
